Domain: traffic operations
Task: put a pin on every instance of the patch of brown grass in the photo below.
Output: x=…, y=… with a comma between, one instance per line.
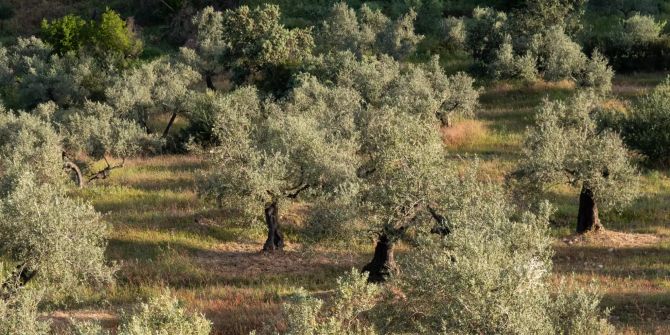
x=463, y=133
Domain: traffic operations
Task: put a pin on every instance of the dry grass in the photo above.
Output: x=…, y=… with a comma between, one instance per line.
x=463, y=134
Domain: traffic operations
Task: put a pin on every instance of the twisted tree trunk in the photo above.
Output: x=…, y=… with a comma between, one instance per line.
x=587, y=218
x=275, y=240
x=76, y=173
x=383, y=263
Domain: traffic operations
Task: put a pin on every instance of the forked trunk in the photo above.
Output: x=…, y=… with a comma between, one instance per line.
x=169, y=125
x=383, y=263
x=275, y=239
x=587, y=218
x=446, y=121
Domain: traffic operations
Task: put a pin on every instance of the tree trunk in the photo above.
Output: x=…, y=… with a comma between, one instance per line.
x=74, y=169
x=446, y=120
x=383, y=263
x=169, y=125
x=587, y=218
x=209, y=81
x=275, y=239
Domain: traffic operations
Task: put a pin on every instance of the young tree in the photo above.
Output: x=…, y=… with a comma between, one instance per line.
x=307, y=315
x=566, y=146
x=164, y=314
x=206, y=56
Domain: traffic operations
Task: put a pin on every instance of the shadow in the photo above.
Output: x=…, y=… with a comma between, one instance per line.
x=638, y=308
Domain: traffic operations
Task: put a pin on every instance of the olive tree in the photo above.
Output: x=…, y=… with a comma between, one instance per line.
x=566, y=145
x=369, y=31
x=252, y=43
x=271, y=152
x=422, y=89
x=490, y=275
x=208, y=47
x=95, y=131
x=28, y=144
x=31, y=75
x=157, y=87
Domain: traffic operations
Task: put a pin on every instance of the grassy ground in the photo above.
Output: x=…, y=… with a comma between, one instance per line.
x=162, y=234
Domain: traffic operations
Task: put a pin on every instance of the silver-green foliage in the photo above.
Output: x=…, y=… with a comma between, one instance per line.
x=270, y=148
x=423, y=90
x=28, y=144
x=19, y=314
x=96, y=130
x=566, y=145
x=639, y=30
x=61, y=238
x=490, y=275
x=164, y=315
x=341, y=314
x=369, y=31
x=31, y=75
x=156, y=87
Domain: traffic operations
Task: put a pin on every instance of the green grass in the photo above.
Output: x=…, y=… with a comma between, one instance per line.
x=163, y=234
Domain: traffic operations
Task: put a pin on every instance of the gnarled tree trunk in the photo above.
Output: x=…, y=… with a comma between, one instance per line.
x=383, y=263
x=275, y=239
x=587, y=218
x=75, y=173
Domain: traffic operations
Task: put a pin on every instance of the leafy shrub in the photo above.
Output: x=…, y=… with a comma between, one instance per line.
x=340, y=315
x=110, y=35
x=19, y=314
x=597, y=74
x=66, y=34
x=164, y=315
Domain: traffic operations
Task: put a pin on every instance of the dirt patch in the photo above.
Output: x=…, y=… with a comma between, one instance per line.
x=61, y=320
x=612, y=239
